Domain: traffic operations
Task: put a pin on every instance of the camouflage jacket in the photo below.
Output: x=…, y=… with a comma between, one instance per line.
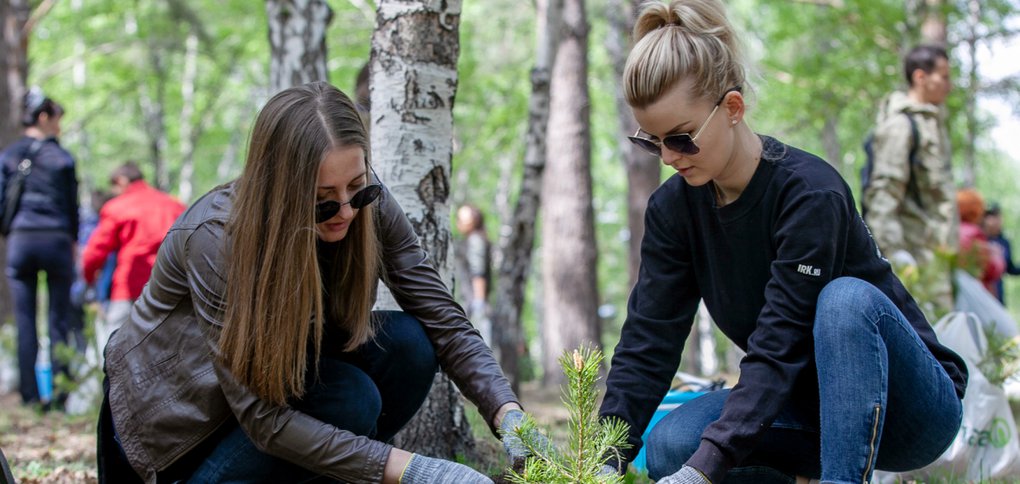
x=917, y=223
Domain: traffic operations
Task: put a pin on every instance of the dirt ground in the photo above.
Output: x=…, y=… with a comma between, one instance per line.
x=46, y=448
x=54, y=448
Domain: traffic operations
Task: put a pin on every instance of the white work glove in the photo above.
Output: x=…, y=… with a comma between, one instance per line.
x=426, y=470
x=686, y=475
x=515, y=449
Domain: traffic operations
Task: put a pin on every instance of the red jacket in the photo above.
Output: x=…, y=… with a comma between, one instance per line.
x=132, y=224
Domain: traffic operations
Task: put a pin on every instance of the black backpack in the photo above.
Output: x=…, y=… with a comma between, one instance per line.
x=869, y=164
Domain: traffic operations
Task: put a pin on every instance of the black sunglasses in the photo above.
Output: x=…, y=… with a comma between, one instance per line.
x=329, y=208
x=683, y=143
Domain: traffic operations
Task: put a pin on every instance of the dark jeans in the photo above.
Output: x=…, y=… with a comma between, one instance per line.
x=885, y=402
x=372, y=391
x=27, y=254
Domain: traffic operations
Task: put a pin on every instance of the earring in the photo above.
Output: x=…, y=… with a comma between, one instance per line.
x=734, y=122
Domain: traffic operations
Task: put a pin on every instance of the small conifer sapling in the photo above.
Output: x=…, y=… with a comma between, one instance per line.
x=592, y=441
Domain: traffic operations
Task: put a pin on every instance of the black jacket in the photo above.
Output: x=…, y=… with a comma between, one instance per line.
x=49, y=200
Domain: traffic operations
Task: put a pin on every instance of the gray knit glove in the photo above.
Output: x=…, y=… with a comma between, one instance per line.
x=686, y=475
x=609, y=470
x=512, y=444
x=426, y=470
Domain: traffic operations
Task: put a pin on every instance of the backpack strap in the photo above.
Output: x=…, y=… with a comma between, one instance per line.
x=915, y=142
x=15, y=186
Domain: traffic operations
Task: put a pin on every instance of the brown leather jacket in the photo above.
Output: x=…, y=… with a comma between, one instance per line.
x=168, y=392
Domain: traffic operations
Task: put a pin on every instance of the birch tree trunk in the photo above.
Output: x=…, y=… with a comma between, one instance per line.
x=14, y=69
x=515, y=249
x=413, y=83
x=568, y=227
x=187, y=129
x=973, y=87
x=642, y=169
x=153, y=109
x=297, y=42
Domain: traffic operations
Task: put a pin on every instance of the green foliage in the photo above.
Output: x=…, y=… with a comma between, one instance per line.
x=591, y=442
x=109, y=62
x=922, y=281
x=1002, y=360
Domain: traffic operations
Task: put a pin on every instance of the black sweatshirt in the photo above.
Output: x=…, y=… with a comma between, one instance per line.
x=759, y=263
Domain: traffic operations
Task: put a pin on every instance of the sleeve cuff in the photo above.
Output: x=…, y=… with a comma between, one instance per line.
x=710, y=461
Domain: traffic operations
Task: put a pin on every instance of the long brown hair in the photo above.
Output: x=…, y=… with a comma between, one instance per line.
x=277, y=297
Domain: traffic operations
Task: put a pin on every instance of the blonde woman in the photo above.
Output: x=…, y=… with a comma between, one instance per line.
x=253, y=354
x=843, y=374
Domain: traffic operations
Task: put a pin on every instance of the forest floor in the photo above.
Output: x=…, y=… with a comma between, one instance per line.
x=49, y=447
x=54, y=448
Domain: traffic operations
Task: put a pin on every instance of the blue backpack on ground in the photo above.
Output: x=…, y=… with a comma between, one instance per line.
x=869, y=164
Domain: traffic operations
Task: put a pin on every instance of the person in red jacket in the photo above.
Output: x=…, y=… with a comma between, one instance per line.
x=133, y=225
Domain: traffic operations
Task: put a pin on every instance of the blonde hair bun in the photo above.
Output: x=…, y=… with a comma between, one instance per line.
x=694, y=17
x=682, y=39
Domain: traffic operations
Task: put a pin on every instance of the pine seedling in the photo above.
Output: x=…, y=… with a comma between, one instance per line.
x=592, y=441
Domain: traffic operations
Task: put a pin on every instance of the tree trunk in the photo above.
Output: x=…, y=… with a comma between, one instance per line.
x=413, y=84
x=568, y=227
x=516, y=247
x=14, y=69
x=973, y=87
x=933, y=25
x=187, y=129
x=642, y=169
x=153, y=109
x=297, y=42
x=833, y=148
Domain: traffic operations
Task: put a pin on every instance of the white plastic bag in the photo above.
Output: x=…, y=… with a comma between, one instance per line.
x=986, y=446
x=972, y=297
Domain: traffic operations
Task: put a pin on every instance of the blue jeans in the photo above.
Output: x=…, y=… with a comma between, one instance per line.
x=885, y=402
x=27, y=254
x=372, y=391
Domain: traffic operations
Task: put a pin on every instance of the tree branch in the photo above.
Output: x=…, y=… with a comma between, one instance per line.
x=39, y=12
x=823, y=3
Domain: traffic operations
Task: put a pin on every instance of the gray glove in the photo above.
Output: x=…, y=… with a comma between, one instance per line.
x=686, y=475
x=426, y=470
x=513, y=445
x=609, y=470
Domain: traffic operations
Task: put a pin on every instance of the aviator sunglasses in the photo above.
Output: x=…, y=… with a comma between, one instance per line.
x=329, y=208
x=683, y=143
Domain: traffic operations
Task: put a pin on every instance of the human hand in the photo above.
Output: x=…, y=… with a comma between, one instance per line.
x=427, y=470
x=609, y=470
x=686, y=475
x=514, y=446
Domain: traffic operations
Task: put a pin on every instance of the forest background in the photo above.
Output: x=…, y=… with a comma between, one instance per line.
x=176, y=84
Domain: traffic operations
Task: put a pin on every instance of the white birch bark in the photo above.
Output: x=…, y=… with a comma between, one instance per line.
x=413, y=83
x=153, y=109
x=187, y=129
x=297, y=41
